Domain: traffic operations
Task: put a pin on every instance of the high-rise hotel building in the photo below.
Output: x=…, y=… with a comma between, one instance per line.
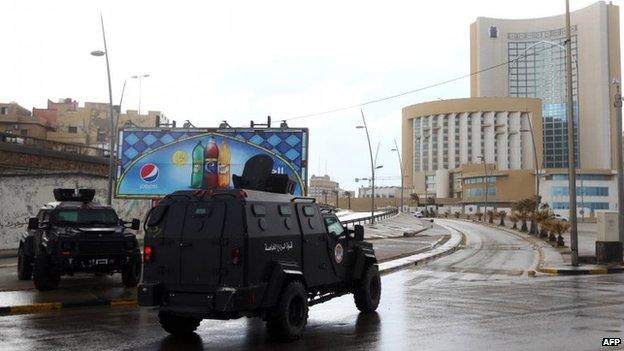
x=521, y=104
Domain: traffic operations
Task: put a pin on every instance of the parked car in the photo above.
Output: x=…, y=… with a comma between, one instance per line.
x=418, y=214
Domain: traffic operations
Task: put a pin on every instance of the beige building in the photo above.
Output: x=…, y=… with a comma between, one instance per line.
x=536, y=53
x=321, y=187
x=448, y=145
x=16, y=120
x=89, y=124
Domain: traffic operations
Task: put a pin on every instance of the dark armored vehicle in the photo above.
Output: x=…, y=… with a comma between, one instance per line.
x=234, y=253
x=76, y=235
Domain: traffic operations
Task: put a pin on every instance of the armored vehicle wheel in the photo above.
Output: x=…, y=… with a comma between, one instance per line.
x=45, y=275
x=177, y=325
x=24, y=265
x=131, y=273
x=368, y=290
x=288, y=318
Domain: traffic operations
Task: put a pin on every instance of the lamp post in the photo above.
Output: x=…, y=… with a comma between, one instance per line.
x=140, y=78
x=348, y=195
x=396, y=148
x=111, y=116
x=486, y=185
x=372, y=163
x=571, y=167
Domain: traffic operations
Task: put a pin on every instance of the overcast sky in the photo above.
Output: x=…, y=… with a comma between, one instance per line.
x=238, y=61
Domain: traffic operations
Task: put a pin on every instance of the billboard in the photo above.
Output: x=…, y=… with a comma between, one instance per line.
x=155, y=162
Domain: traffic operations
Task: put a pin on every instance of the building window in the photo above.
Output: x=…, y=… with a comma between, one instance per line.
x=4, y=110
x=72, y=130
x=101, y=136
x=493, y=32
x=581, y=191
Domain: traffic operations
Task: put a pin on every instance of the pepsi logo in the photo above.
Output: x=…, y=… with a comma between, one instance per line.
x=148, y=172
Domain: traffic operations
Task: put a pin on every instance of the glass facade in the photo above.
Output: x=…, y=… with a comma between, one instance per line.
x=539, y=72
x=581, y=191
x=477, y=180
x=472, y=192
x=591, y=205
x=582, y=177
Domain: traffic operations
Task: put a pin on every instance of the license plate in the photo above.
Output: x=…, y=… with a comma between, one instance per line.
x=101, y=261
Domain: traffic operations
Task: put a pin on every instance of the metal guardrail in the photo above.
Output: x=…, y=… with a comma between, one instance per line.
x=363, y=220
x=53, y=145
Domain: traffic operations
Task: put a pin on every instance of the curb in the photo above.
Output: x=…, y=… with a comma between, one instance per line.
x=55, y=306
x=450, y=246
x=582, y=271
x=398, y=236
x=554, y=270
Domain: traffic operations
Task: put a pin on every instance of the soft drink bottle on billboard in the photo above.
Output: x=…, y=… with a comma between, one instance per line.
x=224, y=165
x=197, y=172
x=211, y=165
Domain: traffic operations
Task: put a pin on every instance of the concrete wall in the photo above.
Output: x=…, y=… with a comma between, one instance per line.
x=23, y=195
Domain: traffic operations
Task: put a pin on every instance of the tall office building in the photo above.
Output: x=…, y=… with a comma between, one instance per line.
x=536, y=51
x=495, y=146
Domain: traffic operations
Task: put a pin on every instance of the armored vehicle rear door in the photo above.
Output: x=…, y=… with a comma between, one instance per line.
x=200, y=245
x=317, y=267
x=187, y=242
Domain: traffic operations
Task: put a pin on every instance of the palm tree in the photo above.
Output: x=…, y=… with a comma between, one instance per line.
x=457, y=214
x=502, y=215
x=514, y=219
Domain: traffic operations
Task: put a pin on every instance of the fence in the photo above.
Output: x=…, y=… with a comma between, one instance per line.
x=53, y=145
x=388, y=212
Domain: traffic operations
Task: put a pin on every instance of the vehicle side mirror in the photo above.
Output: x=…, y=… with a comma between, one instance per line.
x=359, y=232
x=33, y=223
x=136, y=224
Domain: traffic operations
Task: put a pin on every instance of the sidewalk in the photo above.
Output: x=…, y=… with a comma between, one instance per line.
x=554, y=260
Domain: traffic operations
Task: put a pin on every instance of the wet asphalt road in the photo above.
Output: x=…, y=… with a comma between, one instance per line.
x=477, y=298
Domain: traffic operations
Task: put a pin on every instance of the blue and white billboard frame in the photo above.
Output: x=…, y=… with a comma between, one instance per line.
x=154, y=162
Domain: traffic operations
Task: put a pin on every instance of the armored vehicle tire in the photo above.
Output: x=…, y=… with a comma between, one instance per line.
x=24, y=265
x=367, y=291
x=45, y=276
x=177, y=325
x=288, y=318
x=131, y=273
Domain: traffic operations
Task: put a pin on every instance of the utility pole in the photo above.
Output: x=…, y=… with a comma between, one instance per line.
x=571, y=164
x=396, y=148
x=620, y=166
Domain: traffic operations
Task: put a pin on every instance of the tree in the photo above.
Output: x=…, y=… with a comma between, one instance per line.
x=491, y=215
x=514, y=219
x=556, y=228
x=457, y=214
x=524, y=208
x=542, y=216
x=479, y=215
x=502, y=215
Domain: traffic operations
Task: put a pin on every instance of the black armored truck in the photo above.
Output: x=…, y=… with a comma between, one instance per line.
x=74, y=234
x=227, y=254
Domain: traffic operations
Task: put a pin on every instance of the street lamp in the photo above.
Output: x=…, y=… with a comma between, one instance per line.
x=99, y=53
x=140, y=78
x=396, y=148
x=486, y=185
x=373, y=166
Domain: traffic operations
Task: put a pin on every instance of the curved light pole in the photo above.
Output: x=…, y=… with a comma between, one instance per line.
x=140, y=78
x=372, y=163
x=396, y=148
x=111, y=116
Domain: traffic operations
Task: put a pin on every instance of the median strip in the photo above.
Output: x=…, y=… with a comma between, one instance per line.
x=55, y=306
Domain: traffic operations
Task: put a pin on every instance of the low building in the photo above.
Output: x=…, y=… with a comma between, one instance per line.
x=323, y=187
x=16, y=120
x=89, y=124
x=383, y=192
